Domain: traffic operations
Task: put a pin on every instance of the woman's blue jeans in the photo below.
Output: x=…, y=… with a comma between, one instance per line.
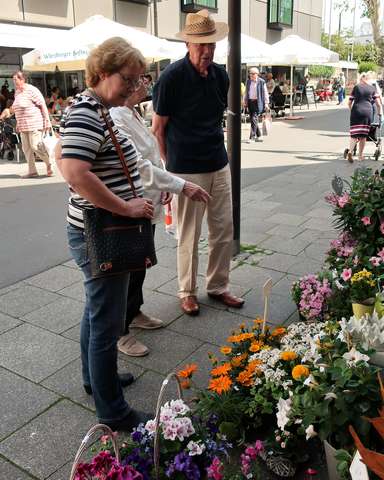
x=101, y=326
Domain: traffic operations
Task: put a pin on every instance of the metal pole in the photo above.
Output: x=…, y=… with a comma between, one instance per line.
x=330, y=24
x=353, y=31
x=234, y=118
x=291, y=95
x=156, y=31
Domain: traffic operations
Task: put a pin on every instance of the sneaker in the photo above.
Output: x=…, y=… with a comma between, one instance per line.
x=131, y=421
x=146, y=322
x=130, y=346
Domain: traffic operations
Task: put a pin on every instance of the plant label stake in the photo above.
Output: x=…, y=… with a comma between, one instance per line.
x=267, y=289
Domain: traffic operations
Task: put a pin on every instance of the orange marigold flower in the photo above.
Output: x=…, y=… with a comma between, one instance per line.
x=188, y=371
x=253, y=364
x=226, y=350
x=245, y=378
x=221, y=370
x=238, y=360
x=278, y=331
x=255, y=347
x=288, y=356
x=185, y=384
x=258, y=321
x=233, y=339
x=220, y=384
x=299, y=372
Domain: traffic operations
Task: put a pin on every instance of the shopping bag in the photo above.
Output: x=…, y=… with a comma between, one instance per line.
x=48, y=144
x=267, y=124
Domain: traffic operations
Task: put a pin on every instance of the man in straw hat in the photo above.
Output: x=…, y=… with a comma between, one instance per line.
x=189, y=101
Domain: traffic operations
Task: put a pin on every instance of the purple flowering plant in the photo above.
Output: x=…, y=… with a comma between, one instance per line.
x=310, y=293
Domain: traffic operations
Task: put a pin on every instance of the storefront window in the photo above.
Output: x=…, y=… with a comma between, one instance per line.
x=194, y=6
x=280, y=14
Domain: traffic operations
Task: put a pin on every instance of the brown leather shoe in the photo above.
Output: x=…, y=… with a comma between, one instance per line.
x=228, y=299
x=189, y=305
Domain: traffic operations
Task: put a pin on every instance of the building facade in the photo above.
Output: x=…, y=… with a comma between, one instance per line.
x=268, y=20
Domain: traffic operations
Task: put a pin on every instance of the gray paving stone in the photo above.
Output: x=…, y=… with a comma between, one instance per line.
x=304, y=266
x=35, y=353
x=249, y=195
x=284, y=245
x=11, y=472
x=166, y=257
x=317, y=250
x=75, y=291
x=21, y=400
x=286, y=231
x=167, y=348
x=278, y=261
x=14, y=286
x=56, y=278
x=256, y=223
x=254, y=277
x=318, y=224
x=210, y=325
x=281, y=307
x=283, y=286
x=287, y=219
x=62, y=473
x=25, y=299
x=161, y=306
x=7, y=322
x=157, y=276
x=46, y=443
x=71, y=264
x=294, y=209
x=249, y=236
x=68, y=381
x=320, y=213
x=57, y=316
x=73, y=333
x=260, y=207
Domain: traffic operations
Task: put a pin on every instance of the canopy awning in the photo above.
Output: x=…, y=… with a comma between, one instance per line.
x=22, y=36
x=252, y=51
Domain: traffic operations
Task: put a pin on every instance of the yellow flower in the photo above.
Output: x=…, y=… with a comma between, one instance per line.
x=220, y=384
x=299, y=372
x=288, y=356
x=258, y=321
x=255, y=347
x=221, y=370
x=226, y=350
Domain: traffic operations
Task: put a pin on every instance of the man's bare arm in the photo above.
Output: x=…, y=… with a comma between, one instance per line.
x=158, y=128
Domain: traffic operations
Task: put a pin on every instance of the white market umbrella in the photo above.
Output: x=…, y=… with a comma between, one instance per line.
x=23, y=36
x=252, y=51
x=70, y=50
x=294, y=50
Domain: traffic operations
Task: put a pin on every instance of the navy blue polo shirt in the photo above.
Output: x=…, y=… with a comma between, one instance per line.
x=195, y=107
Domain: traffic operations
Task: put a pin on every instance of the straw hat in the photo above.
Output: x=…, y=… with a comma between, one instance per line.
x=201, y=28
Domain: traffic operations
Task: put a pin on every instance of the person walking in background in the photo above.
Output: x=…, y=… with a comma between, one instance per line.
x=91, y=165
x=157, y=183
x=341, y=89
x=270, y=83
x=257, y=100
x=32, y=119
x=189, y=101
x=361, y=106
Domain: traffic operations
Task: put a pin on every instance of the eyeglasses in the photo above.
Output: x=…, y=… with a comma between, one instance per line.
x=131, y=82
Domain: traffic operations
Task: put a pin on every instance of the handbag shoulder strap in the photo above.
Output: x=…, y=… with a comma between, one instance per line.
x=115, y=142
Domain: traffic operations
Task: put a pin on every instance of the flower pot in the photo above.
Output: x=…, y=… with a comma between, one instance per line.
x=360, y=310
x=379, y=306
x=331, y=461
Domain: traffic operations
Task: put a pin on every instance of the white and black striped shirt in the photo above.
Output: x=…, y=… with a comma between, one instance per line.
x=85, y=137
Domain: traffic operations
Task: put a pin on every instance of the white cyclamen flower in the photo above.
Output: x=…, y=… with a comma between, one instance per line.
x=282, y=414
x=330, y=395
x=195, y=448
x=310, y=432
x=354, y=356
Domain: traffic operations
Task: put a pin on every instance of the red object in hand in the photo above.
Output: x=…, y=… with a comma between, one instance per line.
x=168, y=215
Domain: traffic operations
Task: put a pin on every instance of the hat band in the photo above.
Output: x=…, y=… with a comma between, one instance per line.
x=200, y=34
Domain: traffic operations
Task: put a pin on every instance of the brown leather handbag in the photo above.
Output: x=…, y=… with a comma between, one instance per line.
x=118, y=244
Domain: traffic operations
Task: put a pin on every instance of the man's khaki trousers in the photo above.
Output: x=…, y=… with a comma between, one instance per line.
x=220, y=233
x=30, y=142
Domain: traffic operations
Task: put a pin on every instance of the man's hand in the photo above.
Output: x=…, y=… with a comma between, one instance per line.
x=166, y=197
x=194, y=192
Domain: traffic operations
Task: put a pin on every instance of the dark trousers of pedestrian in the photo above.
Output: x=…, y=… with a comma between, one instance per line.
x=254, y=113
x=135, y=295
x=340, y=94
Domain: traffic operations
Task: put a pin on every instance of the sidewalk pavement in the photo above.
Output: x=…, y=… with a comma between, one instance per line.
x=286, y=223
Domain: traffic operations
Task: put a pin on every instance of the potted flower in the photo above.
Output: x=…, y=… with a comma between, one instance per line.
x=363, y=293
x=310, y=293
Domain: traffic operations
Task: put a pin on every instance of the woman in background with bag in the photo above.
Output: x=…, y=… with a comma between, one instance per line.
x=32, y=119
x=92, y=156
x=159, y=186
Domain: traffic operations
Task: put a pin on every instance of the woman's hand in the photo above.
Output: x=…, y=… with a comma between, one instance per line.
x=194, y=192
x=166, y=197
x=139, y=207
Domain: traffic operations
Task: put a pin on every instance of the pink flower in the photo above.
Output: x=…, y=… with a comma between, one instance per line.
x=375, y=261
x=382, y=228
x=215, y=470
x=381, y=254
x=366, y=220
x=347, y=274
x=343, y=200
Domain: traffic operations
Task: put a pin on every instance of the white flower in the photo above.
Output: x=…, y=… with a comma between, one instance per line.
x=310, y=432
x=330, y=395
x=195, y=448
x=282, y=414
x=178, y=407
x=354, y=356
x=283, y=444
x=310, y=381
x=150, y=426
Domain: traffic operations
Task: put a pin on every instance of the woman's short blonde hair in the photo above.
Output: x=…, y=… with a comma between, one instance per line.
x=110, y=57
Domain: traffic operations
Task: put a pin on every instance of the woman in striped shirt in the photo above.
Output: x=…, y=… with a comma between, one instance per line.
x=90, y=164
x=32, y=119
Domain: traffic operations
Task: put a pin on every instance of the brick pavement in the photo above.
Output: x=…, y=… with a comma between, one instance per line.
x=45, y=412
